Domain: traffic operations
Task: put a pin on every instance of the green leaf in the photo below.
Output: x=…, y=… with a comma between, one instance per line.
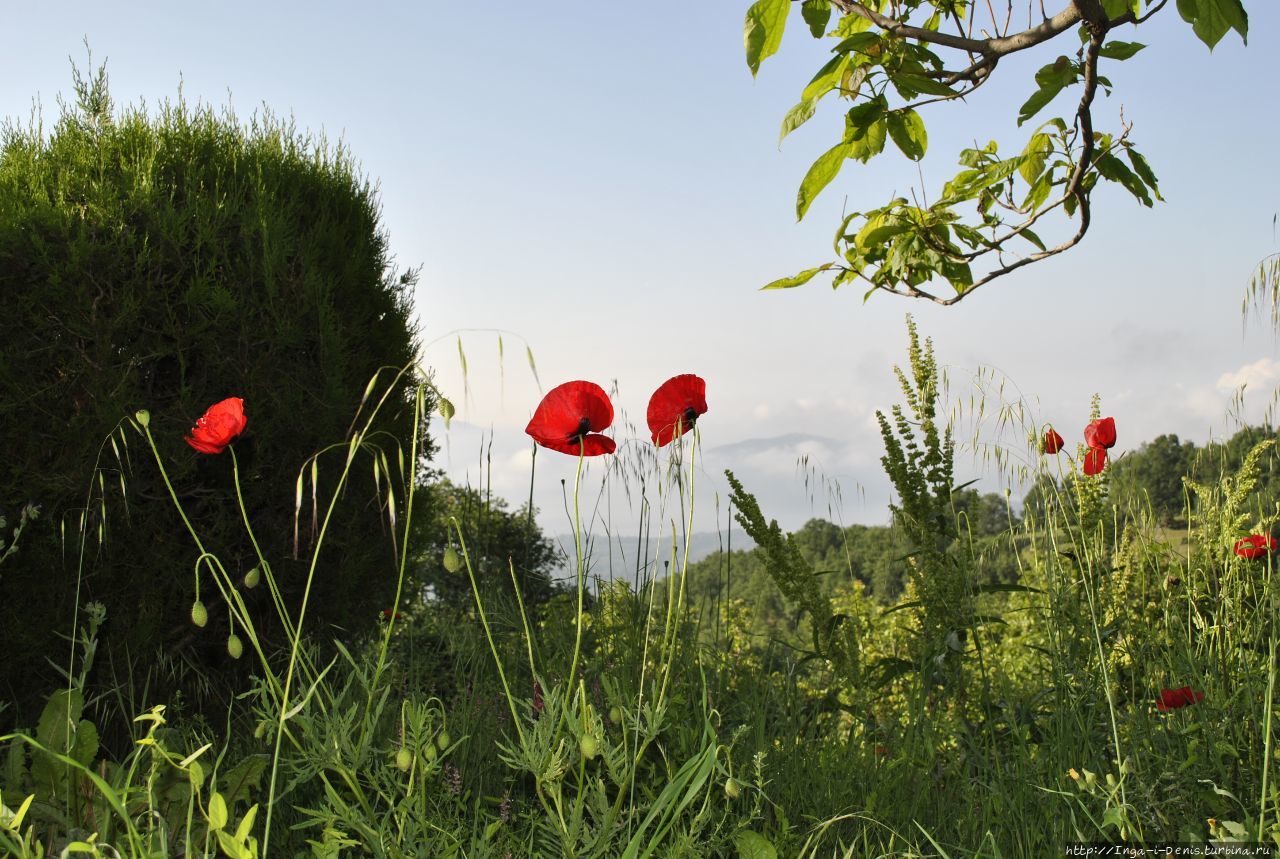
x=246, y=825
x=796, y=117
x=909, y=85
x=798, y=279
x=827, y=78
x=1038, y=100
x=878, y=230
x=86, y=743
x=57, y=725
x=1031, y=236
x=1115, y=170
x=1034, y=155
x=908, y=132
x=850, y=24
x=762, y=32
x=1144, y=171
x=820, y=176
x=870, y=142
x=1120, y=50
x=816, y=14
x=1116, y=8
x=753, y=845
x=1002, y=588
x=1051, y=79
x=1039, y=191
x=244, y=777
x=217, y=811
x=1211, y=19
x=858, y=43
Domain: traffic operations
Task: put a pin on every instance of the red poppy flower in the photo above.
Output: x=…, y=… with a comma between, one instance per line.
x=218, y=426
x=675, y=406
x=569, y=417
x=1095, y=459
x=1101, y=433
x=388, y=614
x=1255, y=546
x=1052, y=441
x=1173, y=699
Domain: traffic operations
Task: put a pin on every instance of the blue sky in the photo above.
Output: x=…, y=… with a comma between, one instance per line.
x=604, y=182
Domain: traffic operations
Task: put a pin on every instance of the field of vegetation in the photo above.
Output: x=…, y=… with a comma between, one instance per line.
x=244, y=614
x=981, y=678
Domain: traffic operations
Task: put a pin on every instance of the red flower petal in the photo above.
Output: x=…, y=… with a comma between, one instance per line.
x=673, y=408
x=218, y=426
x=1255, y=546
x=568, y=414
x=1174, y=699
x=1052, y=441
x=1101, y=433
x=592, y=445
x=1095, y=459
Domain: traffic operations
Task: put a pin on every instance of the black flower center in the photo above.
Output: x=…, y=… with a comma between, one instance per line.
x=584, y=426
x=690, y=416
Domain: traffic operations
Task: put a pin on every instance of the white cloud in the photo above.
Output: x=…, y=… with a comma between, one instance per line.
x=1263, y=373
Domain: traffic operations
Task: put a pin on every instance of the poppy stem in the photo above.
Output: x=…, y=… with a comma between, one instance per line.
x=581, y=567
x=262, y=561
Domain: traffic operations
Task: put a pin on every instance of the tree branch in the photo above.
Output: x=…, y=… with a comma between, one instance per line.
x=991, y=49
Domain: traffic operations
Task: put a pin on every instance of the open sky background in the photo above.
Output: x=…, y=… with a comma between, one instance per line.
x=604, y=182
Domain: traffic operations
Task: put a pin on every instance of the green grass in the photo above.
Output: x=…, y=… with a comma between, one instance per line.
x=973, y=718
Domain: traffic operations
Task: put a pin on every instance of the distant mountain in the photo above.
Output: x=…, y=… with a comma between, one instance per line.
x=749, y=446
x=629, y=554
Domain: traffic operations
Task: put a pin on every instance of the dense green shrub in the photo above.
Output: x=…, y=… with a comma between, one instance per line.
x=165, y=260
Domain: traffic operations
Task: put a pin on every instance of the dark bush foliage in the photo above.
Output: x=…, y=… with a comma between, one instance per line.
x=167, y=260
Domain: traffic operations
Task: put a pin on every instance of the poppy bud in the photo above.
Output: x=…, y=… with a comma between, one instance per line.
x=430, y=753
x=732, y=790
x=404, y=760
x=615, y=714
x=199, y=614
x=260, y=731
x=452, y=562
x=252, y=578
x=143, y=417
x=443, y=740
x=589, y=746
x=234, y=646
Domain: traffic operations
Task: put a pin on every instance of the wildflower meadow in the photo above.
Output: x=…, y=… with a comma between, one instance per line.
x=247, y=612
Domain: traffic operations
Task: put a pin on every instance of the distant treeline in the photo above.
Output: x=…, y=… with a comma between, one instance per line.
x=1148, y=480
